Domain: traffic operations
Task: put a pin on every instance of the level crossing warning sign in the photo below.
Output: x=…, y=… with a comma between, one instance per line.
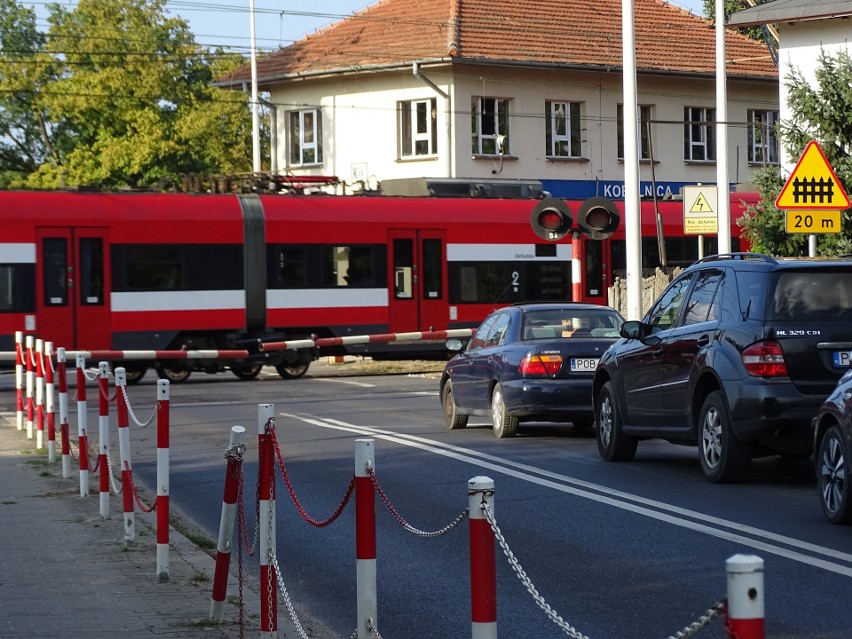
x=812, y=186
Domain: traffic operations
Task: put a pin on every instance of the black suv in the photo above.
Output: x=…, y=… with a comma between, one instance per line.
x=735, y=356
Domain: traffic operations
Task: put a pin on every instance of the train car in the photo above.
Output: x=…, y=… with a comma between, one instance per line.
x=169, y=271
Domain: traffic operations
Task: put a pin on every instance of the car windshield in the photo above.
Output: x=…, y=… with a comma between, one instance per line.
x=812, y=295
x=553, y=323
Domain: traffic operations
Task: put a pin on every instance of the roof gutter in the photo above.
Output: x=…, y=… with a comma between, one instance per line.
x=415, y=69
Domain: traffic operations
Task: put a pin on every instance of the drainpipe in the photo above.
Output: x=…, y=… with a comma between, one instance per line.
x=415, y=69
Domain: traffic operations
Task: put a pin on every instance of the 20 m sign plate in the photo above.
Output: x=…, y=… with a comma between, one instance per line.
x=813, y=222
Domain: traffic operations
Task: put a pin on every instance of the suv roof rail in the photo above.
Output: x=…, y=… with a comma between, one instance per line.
x=738, y=256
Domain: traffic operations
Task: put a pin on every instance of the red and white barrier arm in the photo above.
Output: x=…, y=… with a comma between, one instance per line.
x=152, y=355
x=233, y=469
x=103, y=437
x=49, y=402
x=380, y=338
x=19, y=379
x=162, y=481
x=483, y=571
x=28, y=354
x=64, y=435
x=365, y=537
x=266, y=521
x=82, y=425
x=122, y=417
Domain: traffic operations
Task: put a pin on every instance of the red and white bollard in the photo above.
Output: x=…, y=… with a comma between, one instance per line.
x=30, y=385
x=82, y=424
x=483, y=571
x=576, y=267
x=365, y=537
x=103, y=437
x=124, y=453
x=39, y=393
x=266, y=496
x=745, y=597
x=234, y=455
x=19, y=379
x=64, y=436
x=48, y=402
x=162, y=481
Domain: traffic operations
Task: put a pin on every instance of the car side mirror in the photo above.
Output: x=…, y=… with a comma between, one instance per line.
x=454, y=345
x=631, y=329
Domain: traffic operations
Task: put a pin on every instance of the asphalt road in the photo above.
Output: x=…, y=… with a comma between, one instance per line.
x=634, y=550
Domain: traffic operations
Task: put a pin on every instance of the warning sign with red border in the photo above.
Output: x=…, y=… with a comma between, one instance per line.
x=813, y=185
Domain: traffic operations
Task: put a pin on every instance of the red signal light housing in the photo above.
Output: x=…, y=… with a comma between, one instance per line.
x=551, y=219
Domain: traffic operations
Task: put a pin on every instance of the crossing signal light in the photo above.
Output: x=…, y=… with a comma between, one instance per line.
x=598, y=218
x=551, y=219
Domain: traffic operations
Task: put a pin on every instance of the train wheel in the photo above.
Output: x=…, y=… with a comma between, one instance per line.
x=134, y=374
x=247, y=371
x=292, y=371
x=176, y=375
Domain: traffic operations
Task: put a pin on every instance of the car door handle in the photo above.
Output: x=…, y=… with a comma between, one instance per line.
x=657, y=353
x=703, y=340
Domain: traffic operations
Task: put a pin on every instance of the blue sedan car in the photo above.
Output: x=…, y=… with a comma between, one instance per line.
x=833, y=452
x=529, y=362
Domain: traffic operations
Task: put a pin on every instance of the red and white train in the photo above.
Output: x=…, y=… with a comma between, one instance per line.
x=166, y=271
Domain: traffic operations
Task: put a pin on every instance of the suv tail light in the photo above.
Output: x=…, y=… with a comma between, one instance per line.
x=765, y=359
x=538, y=365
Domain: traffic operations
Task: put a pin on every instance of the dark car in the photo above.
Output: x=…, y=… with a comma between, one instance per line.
x=735, y=356
x=833, y=446
x=529, y=362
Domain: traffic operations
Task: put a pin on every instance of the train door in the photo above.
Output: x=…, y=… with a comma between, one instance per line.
x=597, y=271
x=417, y=272
x=72, y=284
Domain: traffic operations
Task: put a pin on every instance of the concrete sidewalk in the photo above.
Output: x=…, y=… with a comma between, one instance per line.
x=65, y=571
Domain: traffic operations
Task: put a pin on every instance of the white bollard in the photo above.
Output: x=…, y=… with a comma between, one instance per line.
x=745, y=597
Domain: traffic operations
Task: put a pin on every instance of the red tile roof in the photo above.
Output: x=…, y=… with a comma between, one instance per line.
x=559, y=33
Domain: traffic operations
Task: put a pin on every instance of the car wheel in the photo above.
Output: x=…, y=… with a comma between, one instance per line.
x=247, y=371
x=832, y=477
x=452, y=418
x=292, y=371
x=613, y=444
x=174, y=375
x=724, y=457
x=504, y=424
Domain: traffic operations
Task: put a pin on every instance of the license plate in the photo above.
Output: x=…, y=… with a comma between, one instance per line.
x=579, y=364
x=842, y=359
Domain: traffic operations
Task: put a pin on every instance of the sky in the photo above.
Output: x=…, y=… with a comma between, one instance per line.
x=226, y=23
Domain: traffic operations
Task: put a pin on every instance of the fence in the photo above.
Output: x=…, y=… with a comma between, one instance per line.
x=652, y=287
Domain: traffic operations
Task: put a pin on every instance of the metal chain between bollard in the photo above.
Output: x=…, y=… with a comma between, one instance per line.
x=716, y=610
x=241, y=511
x=142, y=505
x=292, y=492
x=115, y=489
x=132, y=414
x=408, y=527
x=371, y=627
x=525, y=580
x=287, y=601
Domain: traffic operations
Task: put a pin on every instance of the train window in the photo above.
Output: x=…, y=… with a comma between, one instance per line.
x=154, y=268
x=17, y=293
x=433, y=258
x=403, y=266
x=91, y=275
x=55, y=271
x=594, y=263
x=548, y=281
x=508, y=282
x=324, y=266
x=291, y=268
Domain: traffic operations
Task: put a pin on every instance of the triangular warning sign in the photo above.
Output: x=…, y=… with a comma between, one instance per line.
x=701, y=205
x=813, y=184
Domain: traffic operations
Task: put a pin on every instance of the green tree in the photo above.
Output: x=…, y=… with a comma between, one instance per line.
x=823, y=112
x=129, y=89
x=732, y=6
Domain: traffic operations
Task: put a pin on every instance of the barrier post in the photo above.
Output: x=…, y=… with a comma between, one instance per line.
x=162, y=481
x=30, y=386
x=39, y=393
x=64, y=437
x=48, y=402
x=266, y=496
x=483, y=572
x=365, y=537
x=19, y=379
x=234, y=455
x=121, y=417
x=103, y=437
x=745, y=597
x=82, y=423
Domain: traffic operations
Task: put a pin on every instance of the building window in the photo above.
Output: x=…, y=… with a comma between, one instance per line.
x=305, y=137
x=762, y=140
x=490, y=126
x=699, y=134
x=644, y=131
x=563, y=129
x=418, y=130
